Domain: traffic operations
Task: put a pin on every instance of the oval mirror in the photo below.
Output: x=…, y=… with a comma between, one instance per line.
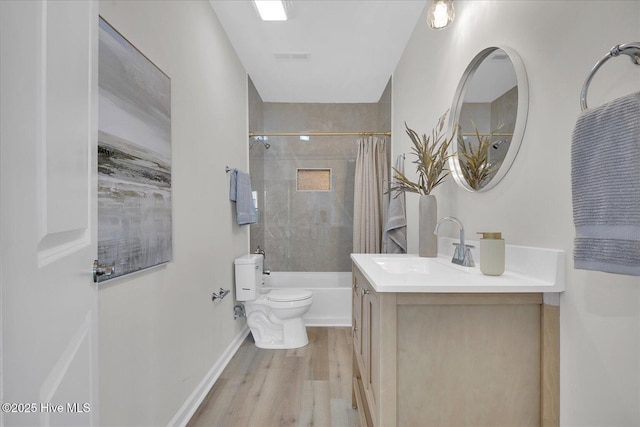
x=490, y=112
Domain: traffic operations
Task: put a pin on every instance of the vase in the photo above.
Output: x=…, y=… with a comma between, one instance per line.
x=428, y=218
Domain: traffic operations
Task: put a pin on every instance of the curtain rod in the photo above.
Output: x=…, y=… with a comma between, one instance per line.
x=254, y=134
x=484, y=134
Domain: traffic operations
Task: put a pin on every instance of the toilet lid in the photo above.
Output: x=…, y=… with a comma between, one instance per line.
x=283, y=295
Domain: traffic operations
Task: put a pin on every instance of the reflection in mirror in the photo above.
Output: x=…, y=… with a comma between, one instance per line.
x=489, y=111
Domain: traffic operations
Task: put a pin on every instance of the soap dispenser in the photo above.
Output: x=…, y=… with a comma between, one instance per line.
x=491, y=253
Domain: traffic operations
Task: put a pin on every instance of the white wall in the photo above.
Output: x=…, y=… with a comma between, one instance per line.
x=160, y=333
x=559, y=42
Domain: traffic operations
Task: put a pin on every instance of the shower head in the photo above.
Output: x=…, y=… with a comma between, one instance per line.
x=499, y=143
x=262, y=139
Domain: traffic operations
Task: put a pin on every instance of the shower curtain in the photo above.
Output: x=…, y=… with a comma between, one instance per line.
x=370, y=200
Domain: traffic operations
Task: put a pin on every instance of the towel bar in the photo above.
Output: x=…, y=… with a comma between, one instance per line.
x=630, y=49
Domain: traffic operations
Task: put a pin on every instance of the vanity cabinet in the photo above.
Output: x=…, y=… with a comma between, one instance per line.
x=471, y=359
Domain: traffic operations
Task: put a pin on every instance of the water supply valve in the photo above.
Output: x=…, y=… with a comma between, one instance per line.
x=238, y=311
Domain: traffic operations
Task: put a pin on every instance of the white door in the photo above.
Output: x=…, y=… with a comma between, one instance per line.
x=48, y=118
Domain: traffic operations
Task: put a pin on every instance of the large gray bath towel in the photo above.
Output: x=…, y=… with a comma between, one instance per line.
x=394, y=239
x=605, y=178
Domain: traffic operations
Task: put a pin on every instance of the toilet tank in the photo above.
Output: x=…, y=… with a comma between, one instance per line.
x=249, y=277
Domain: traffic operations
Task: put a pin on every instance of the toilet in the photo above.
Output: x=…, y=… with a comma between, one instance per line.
x=274, y=316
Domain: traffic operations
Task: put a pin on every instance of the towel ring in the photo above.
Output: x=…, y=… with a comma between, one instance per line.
x=630, y=49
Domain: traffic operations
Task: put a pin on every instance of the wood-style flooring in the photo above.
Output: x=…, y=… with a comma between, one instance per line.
x=309, y=386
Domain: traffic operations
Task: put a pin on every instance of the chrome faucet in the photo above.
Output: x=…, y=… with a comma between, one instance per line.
x=462, y=254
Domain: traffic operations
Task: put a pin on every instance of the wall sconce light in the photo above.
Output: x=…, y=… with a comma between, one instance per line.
x=271, y=10
x=440, y=14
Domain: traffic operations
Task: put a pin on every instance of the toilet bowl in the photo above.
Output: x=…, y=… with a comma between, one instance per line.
x=275, y=319
x=274, y=316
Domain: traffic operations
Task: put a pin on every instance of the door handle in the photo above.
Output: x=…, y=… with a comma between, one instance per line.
x=102, y=270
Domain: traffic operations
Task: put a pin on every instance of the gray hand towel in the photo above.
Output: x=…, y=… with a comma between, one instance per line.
x=394, y=238
x=240, y=192
x=605, y=177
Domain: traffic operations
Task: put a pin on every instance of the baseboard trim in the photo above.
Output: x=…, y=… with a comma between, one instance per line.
x=328, y=322
x=190, y=406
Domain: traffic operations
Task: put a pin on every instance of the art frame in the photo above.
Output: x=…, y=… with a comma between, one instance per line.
x=134, y=158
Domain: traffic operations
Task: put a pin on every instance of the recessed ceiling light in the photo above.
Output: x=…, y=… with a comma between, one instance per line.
x=271, y=10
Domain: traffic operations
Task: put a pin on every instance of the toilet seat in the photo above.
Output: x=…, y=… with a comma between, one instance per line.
x=288, y=295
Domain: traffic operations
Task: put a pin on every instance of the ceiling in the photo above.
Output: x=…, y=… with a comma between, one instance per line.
x=329, y=51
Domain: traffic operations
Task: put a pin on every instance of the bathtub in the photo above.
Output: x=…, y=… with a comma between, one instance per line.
x=331, y=295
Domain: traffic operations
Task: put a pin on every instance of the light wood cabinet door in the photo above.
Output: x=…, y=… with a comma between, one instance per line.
x=371, y=349
x=357, y=314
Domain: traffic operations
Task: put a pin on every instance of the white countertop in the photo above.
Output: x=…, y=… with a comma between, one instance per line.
x=527, y=270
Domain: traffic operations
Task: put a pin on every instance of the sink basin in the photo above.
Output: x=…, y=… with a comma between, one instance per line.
x=415, y=264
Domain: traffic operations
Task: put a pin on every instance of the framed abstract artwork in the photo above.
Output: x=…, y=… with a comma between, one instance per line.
x=134, y=158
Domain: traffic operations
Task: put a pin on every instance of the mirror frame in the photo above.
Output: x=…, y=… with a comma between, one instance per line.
x=521, y=117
